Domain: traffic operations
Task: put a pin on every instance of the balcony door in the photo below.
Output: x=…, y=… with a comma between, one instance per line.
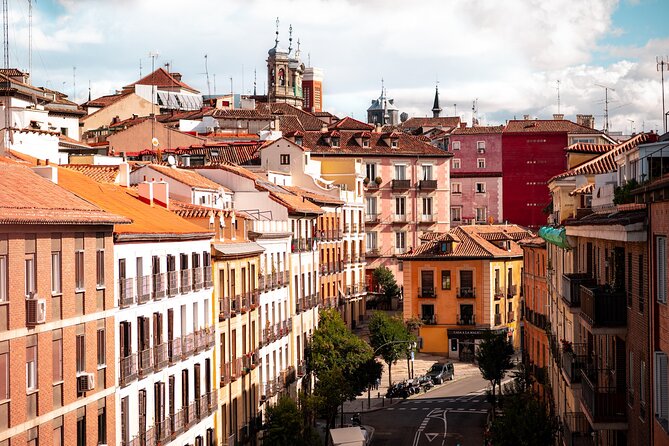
x=467, y=314
x=467, y=283
x=427, y=313
x=427, y=283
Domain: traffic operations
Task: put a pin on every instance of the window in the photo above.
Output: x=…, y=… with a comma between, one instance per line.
x=456, y=163
x=57, y=354
x=427, y=206
x=81, y=429
x=630, y=382
x=455, y=145
x=480, y=188
x=31, y=368
x=371, y=171
x=79, y=261
x=4, y=376
x=393, y=143
x=365, y=142
x=456, y=188
x=480, y=146
x=335, y=141
x=446, y=280
x=661, y=268
x=298, y=140
x=480, y=214
x=427, y=282
x=80, y=353
x=102, y=424
x=371, y=241
x=427, y=172
x=400, y=206
x=102, y=349
x=480, y=163
x=400, y=172
x=400, y=242
x=661, y=387
x=371, y=206
x=31, y=273
x=4, y=279
x=284, y=159
x=456, y=214
x=642, y=381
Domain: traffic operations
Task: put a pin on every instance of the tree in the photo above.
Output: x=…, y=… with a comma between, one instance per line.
x=524, y=419
x=387, y=284
x=286, y=427
x=390, y=339
x=341, y=362
x=494, y=360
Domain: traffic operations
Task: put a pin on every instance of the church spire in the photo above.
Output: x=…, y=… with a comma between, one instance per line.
x=276, y=40
x=436, y=110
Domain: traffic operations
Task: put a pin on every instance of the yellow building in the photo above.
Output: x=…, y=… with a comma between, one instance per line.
x=235, y=272
x=464, y=283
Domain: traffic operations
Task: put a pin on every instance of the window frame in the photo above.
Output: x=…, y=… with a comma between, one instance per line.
x=481, y=189
x=284, y=159
x=455, y=163
x=661, y=268
x=455, y=145
x=480, y=163
x=456, y=188
x=446, y=280
x=32, y=383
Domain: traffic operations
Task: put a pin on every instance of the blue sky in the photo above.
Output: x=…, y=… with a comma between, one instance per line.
x=508, y=55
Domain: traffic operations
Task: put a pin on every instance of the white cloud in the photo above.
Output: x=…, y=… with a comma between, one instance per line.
x=507, y=54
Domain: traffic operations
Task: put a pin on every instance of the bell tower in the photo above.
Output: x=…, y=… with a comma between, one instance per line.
x=284, y=72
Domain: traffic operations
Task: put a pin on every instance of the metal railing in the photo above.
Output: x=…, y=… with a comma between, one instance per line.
x=427, y=292
x=466, y=292
x=427, y=184
x=208, y=282
x=198, y=279
x=128, y=369
x=498, y=319
x=511, y=291
x=174, y=350
x=160, y=356
x=603, y=399
x=144, y=359
x=571, y=284
x=466, y=319
x=401, y=184
x=185, y=281
x=223, y=308
x=603, y=307
x=126, y=291
x=143, y=289
x=172, y=283
x=158, y=286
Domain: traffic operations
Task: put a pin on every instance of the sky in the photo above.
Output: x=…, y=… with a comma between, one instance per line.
x=507, y=56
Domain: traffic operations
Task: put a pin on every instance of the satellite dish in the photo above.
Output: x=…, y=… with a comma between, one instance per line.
x=171, y=160
x=155, y=142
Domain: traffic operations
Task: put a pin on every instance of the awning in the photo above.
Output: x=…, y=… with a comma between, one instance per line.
x=238, y=249
x=556, y=236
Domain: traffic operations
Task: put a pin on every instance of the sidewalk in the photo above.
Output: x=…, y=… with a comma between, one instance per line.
x=421, y=364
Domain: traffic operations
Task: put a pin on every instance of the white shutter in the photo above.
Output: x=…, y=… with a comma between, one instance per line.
x=661, y=386
x=661, y=268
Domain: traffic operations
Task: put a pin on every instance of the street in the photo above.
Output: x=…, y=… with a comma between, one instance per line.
x=449, y=415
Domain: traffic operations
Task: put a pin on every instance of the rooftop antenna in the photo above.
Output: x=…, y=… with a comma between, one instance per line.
x=663, y=62
x=455, y=109
x=631, y=121
x=5, y=22
x=558, y=95
x=214, y=75
x=30, y=37
x=606, y=106
x=206, y=72
x=153, y=55
x=255, y=79
x=475, y=111
x=89, y=90
x=297, y=53
x=242, y=91
x=308, y=59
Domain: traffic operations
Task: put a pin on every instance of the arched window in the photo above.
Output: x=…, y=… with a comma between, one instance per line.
x=282, y=77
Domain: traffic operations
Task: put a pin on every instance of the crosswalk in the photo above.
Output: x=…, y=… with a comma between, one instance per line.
x=472, y=398
x=450, y=410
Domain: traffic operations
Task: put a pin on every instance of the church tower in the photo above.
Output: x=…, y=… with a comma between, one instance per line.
x=284, y=73
x=436, y=110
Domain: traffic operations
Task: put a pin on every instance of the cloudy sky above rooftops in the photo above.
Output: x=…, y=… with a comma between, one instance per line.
x=508, y=55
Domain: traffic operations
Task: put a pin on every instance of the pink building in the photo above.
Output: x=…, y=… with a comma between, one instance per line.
x=476, y=175
x=412, y=193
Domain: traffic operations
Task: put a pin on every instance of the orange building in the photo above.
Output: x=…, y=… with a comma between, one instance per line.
x=462, y=284
x=535, y=303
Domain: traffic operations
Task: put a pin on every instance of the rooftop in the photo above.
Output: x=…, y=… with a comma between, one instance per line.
x=547, y=126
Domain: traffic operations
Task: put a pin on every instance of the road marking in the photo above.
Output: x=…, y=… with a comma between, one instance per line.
x=414, y=408
x=431, y=436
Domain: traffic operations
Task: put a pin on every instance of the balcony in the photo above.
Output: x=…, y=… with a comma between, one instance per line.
x=426, y=292
x=126, y=292
x=537, y=319
x=208, y=283
x=144, y=360
x=185, y=281
x=602, y=397
x=577, y=430
x=510, y=316
x=400, y=218
x=429, y=320
x=372, y=218
x=466, y=292
x=172, y=283
x=223, y=309
x=511, y=291
x=127, y=369
x=143, y=289
x=160, y=356
x=574, y=359
x=187, y=345
x=466, y=319
x=198, y=280
x=235, y=305
x=158, y=288
x=301, y=368
x=498, y=319
x=355, y=228
x=499, y=293
x=427, y=218
x=401, y=184
x=427, y=185
x=174, y=350
x=571, y=283
x=603, y=307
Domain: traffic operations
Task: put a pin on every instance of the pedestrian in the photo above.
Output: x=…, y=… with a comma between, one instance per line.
x=377, y=383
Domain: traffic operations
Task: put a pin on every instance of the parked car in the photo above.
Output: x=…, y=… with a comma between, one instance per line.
x=441, y=371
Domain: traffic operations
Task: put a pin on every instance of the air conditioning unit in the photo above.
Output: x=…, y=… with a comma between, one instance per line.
x=35, y=311
x=85, y=382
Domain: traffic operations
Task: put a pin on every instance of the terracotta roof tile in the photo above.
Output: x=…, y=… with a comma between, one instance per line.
x=446, y=121
x=27, y=198
x=547, y=126
x=146, y=219
x=188, y=210
x=349, y=123
x=231, y=152
x=161, y=78
x=101, y=174
x=314, y=196
x=607, y=161
x=379, y=144
x=188, y=177
x=104, y=101
x=583, y=190
x=617, y=217
x=581, y=147
x=478, y=130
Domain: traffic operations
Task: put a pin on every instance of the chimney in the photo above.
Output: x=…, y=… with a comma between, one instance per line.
x=176, y=76
x=526, y=117
x=116, y=120
x=558, y=116
x=145, y=190
x=161, y=194
x=377, y=127
x=324, y=128
x=586, y=121
x=48, y=172
x=463, y=125
x=124, y=174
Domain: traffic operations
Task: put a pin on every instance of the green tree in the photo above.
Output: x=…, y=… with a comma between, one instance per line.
x=285, y=425
x=524, y=419
x=341, y=362
x=494, y=360
x=390, y=339
x=386, y=282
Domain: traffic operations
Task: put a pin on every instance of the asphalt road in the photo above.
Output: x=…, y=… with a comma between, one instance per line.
x=449, y=415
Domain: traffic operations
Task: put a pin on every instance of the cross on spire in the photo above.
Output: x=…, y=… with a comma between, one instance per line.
x=276, y=40
x=290, y=38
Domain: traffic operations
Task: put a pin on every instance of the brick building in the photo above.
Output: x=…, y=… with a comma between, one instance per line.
x=57, y=374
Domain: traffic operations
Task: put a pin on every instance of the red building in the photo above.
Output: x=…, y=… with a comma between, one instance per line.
x=312, y=89
x=533, y=152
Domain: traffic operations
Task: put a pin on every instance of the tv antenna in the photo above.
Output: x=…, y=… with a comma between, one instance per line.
x=606, y=105
x=558, y=95
x=631, y=121
x=206, y=72
x=153, y=55
x=475, y=110
x=30, y=37
x=5, y=29
x=663, y=62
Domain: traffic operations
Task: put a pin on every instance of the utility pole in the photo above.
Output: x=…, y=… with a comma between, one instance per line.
x=153, y=55
x=30, y=37
x=662, y=62
x=206, y=71
x=7, y=137
x=606, y=106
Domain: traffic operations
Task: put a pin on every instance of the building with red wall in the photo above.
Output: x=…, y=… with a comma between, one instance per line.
x=312, y=89
x=533, y=152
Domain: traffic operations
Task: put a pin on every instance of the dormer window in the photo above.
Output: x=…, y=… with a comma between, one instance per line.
x=393, y=144
x=298, y=140
x=365, y=142
x=335, y=141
